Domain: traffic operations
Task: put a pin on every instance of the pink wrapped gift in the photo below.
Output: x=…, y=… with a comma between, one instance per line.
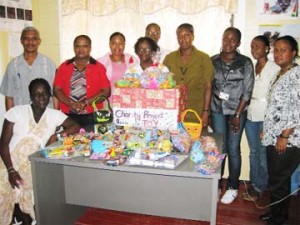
x=142, y=107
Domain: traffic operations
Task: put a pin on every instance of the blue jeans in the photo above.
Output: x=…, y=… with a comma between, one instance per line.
x=258, y=156
x=232, y=144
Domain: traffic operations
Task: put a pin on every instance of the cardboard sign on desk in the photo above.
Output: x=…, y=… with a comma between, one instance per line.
x=147, y=118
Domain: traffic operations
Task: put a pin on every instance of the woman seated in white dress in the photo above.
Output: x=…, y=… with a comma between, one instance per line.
x=26, y=128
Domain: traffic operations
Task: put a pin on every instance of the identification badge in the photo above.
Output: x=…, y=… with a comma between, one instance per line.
x=224, y=96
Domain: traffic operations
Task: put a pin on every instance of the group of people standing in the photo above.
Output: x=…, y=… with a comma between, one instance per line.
x=226, y=90
x=265, y=101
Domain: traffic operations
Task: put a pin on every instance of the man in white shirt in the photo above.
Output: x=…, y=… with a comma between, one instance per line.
x=153, y=31
x=24, y=68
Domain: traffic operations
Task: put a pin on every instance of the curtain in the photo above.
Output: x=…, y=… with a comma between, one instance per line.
x=102, y=8
x=99, y=19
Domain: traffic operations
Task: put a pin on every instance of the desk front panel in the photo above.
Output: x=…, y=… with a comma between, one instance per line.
x=154, y=194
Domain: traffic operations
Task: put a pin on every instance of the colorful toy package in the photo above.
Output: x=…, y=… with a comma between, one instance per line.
x=212, y=159
x=154, y=77
x=157, y=76
x=155, y=159
x=181, y=139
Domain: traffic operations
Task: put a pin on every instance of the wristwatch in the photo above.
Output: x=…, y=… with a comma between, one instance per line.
x=58, y=136
x=282, y=136
x=237, y=115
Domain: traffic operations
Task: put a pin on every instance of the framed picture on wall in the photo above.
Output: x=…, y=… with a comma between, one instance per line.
x=278, y=9
x=273, y=31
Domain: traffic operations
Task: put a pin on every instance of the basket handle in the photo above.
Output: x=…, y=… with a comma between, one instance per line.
x=183, y=115
x=101, y=97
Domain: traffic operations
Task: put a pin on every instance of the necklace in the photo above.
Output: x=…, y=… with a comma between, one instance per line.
x=183, y=71
x=282, y=72
x=279, y=75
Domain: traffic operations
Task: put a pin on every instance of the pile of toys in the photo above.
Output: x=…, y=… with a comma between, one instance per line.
x=206, y=155
x=154, y=77
x=68, y=147
x=140, y=146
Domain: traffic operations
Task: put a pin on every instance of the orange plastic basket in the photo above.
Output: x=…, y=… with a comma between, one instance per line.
x=194, y=129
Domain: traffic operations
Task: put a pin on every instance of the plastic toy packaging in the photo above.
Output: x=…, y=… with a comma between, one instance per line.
x=209, y=144
x=157, y=76
x=197, y=154
x=135, y=143
x=131, y=78
x=153, y=159
x=181, y=140
x=211, y=164
x=209, y=160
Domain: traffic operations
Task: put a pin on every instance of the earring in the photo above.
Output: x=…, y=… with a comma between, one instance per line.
x=221, y=50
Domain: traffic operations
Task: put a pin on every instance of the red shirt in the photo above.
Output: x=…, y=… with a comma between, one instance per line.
x=96, y=80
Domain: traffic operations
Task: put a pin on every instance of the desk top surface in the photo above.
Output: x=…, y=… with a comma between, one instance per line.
x=186, y=168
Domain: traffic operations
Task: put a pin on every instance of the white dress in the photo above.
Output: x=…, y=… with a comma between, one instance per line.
x=27, y=137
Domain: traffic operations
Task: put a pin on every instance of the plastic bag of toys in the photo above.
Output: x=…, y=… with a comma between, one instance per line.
x=155, y=77
x=181, y=140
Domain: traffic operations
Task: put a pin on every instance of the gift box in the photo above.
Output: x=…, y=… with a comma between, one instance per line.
x=148, y=108
x=149, y=98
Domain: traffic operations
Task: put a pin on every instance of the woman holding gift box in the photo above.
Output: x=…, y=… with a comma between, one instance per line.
x=147, y=49
x=148, y=53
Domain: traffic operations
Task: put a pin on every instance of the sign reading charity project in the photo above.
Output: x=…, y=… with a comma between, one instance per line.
x=147, y=118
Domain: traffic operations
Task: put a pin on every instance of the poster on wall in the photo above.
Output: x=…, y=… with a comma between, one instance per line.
x=273, y=31
x=15, y=15
x=278, y=9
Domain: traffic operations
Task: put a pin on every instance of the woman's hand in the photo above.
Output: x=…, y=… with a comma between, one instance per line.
x=281, y=144
x=15, y=179
x=261, y=135
x=205, y=118
x=77, y=106
x=235, y=124
x=52, y=139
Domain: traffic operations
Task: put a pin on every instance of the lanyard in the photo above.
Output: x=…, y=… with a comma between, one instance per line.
x=225, y=72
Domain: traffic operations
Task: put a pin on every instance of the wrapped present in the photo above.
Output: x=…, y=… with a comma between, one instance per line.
x=148, y=108
x=149, y=98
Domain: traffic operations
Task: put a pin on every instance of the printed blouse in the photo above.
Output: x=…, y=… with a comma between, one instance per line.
x=283, y=110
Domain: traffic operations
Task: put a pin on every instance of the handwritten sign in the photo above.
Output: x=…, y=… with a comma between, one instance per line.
x=147, y=118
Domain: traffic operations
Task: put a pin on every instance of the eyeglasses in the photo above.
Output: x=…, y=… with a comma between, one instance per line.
x=153, y=33
x=144, y=50
x=30, y=39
